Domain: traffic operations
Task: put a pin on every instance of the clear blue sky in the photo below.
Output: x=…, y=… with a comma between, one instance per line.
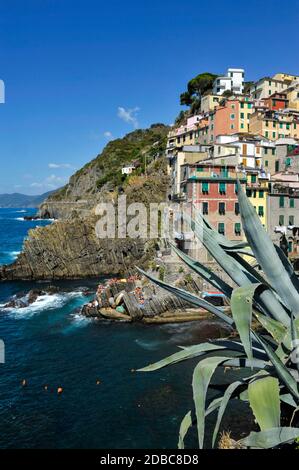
x=69, y=65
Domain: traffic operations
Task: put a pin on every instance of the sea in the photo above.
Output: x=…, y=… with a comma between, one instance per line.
x=104, y=403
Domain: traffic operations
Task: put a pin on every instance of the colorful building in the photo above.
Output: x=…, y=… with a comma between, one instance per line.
x=231, y=117
x=212, y=189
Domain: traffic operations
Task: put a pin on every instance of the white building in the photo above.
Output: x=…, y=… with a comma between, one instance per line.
x=128, y=169
x=233, y=81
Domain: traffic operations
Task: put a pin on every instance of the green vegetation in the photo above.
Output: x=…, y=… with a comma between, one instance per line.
x=140, y=148
x=196, y=87
x=265, y=361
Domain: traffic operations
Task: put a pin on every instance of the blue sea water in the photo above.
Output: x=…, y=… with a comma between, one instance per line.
x=50, y=344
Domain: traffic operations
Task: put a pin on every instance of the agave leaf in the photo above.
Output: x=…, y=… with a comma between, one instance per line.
x=213, y=405
x=201, y=378
x=187, y=296
x=288, y=266
x=274, y=327
x=287, y=398
x=204, y=272
x=258, y=353
x=241, y=305
x=264, y=401
x=226, y=397
x=243, y=362
x=295, y=342
x=266, y=298
x=187, y=353
x=249, y=268
x=270, y=438
x=266, y=254
x=184, y=428
x=222, y=240
x=281, y=370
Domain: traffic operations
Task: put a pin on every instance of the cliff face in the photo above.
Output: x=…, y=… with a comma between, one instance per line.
x=98, y=178
x=69, y=248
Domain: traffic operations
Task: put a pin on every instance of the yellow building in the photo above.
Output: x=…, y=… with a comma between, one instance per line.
x=257, y=191
x=266, y=87
x=273, y=125
x=292, y=93
x=285, y=77
x=209, y=103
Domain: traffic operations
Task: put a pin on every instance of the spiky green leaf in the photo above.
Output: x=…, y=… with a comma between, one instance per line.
x=184, y=428
x=270, y=438
x=264, y=401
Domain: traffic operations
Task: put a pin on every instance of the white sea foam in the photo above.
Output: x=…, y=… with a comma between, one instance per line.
x=42, y=303
x=148, y=345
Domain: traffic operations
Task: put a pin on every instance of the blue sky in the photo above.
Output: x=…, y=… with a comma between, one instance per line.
x=78, y=73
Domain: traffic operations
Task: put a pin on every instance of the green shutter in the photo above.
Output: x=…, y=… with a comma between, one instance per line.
x=237, y=227
x=261, y=194
x=205, y=187
x=253, y=178
x=222, y=187
x=291, y=220
x=261, y=211
x=281, y=201
x=292, y=203
x=221, y=228
x=281, y=220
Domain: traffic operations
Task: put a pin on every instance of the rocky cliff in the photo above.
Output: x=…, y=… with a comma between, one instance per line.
x=69, y=248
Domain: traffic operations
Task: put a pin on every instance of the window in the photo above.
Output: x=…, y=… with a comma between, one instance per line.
x=253, y=178
x=277, y=166
x=221, y=228
x=238, y=228
x=270, y=83
x=261, y=194
x=273, y=135
x=266, y=151
x=222, y=188
x=232, y=126
x=266, y=163
x=205, y=188
x=274, y=123
x=290, y=246
x=261, y=211
x=288, y=161
x=281, y=201
x=267, y=123
x=288, y=126
x=291, y=220
x=266, y=134
x=205, y=208
x=199, y=168
x=242, y=115
x=221, y=208
x=237, y=208
x=281, y=220
x=236, y=188
x=242, y=105
x=281, y=125
x=242, y=125
x=248, y=192
x=249, y=105
x=292, y=203
x=232, y=116
x=273, y=151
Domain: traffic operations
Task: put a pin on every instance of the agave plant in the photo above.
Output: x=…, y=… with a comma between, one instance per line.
x=270, y=296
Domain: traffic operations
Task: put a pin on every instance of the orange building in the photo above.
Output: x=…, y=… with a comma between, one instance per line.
x=277, y=101
x=231, y=117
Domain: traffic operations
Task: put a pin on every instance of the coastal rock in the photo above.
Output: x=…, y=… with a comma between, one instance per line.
x=71, y=250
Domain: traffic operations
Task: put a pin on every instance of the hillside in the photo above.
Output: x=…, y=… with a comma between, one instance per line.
x=103, y=174
x=22, y=200
x=69, y=248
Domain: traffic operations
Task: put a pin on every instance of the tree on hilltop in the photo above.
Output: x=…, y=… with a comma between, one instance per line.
x=196, y=87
